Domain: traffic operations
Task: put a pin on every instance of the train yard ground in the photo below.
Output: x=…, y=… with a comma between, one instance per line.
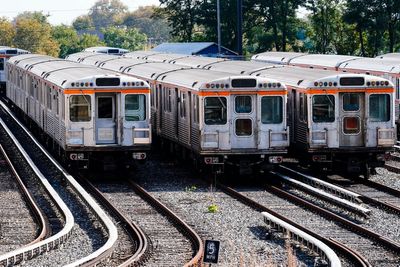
x=161, y=212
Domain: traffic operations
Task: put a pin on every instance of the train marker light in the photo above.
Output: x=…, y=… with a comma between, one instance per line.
x=275, y=159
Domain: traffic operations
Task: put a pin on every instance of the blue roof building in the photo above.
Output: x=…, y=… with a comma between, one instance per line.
x=205, y=49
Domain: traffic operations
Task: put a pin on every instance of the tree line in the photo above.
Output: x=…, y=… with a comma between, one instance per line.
x=108, y=23
x=349, y=27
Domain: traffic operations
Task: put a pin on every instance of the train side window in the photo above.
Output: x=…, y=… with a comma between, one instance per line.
x=195, y=108
x=135, y=107
x=80, y=108
x=1, y=63
x=301, y=106
x=397, y=88
x=169, y=101
x=215, y=110
x=379, y=107
x=183, y=105
x=271, y=109
x=48, y=89
x=323, y=108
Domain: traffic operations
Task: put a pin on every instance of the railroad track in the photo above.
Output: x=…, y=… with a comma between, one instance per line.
x=161, y=238
x=70, y=209
x=22, y=221
x=336, y=235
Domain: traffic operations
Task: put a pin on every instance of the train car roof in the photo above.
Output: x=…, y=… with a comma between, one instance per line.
x=196, y=78
x=395, y=56
x=373, y=65
x=164, y=57
x=80, y=55
x=305, y=78
x=327, y=61
x=238, y=66
x=197, y=61
x=140, y=54
x=151, y=70
x=63, y=72
x=276, y=57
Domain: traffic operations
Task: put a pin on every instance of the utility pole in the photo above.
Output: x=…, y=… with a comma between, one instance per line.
x=219, y=28
x=239, y=27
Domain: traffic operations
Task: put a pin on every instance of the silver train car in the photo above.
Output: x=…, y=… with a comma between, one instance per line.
x=88, y=116
x=5, y=53
x=212, y=117
x=386, y=66
x=336, y=120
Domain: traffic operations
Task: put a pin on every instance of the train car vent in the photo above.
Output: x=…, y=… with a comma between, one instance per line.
x=299, y=82
x=121, y=68
x=63, y=82
x=107, y=82
x=244, y=83
x=352, y=81
x=194, y=84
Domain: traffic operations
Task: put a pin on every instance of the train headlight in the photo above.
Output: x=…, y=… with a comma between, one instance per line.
x=211, y=160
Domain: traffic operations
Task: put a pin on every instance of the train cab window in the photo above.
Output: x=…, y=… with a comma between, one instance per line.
x=215, y=111
x=135, y=107
x=80, y=108
x=243, y=127
x=351, y=102
x=323, y=108
x=379, y=107
x=243, y=104
x=303, y=107
x=1, y=63
x=271, y=109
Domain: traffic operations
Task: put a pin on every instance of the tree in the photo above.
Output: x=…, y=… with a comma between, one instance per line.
x=35, y=37
x=145, y=20
x=83, y=23
x=67, y=38
x=128, y=38
x=88, y=40
x=181, y=15
x=7, y=32
x=105, y=13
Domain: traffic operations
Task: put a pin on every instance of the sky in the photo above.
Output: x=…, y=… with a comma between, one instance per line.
x=60, y=11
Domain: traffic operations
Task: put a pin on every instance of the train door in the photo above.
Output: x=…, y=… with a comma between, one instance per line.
x=243, y=121
x=105, y=119
x=351, y=119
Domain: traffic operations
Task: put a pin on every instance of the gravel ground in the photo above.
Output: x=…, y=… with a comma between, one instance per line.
x=375, y=254
x=386, y=177
x=244, y=238
x=17, y=224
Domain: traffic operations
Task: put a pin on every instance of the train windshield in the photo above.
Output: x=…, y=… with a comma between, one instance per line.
x=135, y=107
x=80, y=108
x=215, y=110
x=379, y=107
x=323, y=109
x=271, y=109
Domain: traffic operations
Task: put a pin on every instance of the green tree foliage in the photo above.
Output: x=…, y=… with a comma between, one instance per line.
x=35, y=36
x=89, y=40
x=146, y=21
x=83, y=23
x=128, y=38
x=7, y=32
x=67, y=38
x=106, y=13
x=182, y=16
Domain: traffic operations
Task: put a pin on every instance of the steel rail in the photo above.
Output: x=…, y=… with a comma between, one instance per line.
x=40, y=218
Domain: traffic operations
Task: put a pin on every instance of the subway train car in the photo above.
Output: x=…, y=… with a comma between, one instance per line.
x=336, y=120
x=88, y=116
x=385, y=66
x=212, y=117
x=5, y=53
